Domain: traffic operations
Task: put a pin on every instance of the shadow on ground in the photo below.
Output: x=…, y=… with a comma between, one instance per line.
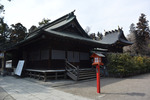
x=129, y=94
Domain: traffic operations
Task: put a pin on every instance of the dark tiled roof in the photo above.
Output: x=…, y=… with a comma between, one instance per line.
x=59, y=28
x=61, y=22
x=74, y=37
x=52, y=29
x=113, y=37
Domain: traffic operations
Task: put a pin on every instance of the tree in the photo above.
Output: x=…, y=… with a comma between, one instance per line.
x=44, y=22
x=93, y=36
x=4, y=31
x=18, y=32
x=99, y=36
x=132, y=37
x=2, y=8
x=32, y=28
x=142, y=34
x=132, y=28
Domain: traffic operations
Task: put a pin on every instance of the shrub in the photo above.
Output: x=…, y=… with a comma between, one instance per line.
x=123, y=65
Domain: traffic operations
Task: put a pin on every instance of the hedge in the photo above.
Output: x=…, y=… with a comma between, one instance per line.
x=123, y=65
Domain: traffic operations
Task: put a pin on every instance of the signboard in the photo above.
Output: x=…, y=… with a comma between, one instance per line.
x=9, y=64
x=19, y=68
x=2, y=55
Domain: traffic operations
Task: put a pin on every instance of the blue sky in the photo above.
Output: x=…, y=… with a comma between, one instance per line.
x=99, y=15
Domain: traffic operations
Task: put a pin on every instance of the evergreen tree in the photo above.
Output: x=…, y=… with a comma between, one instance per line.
x=142, y=35
x=44, y=22
x=1, y=8
x=32, y=28
x=4, y=31
x=93, y=36
x=18, y=32
x=99, y=36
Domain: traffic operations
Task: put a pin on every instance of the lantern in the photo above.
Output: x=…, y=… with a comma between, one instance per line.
x=97, y=59
x=97, y=62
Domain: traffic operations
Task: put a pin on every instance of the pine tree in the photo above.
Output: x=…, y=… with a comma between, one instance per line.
x=32, y=28
x=18, y=32
x=142, y=35
x=93, y=36
x=44, y=22
x=4, y=31
x=99, y=36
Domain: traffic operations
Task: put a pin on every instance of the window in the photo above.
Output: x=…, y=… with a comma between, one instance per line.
x=73, y=56
x=70, y=56
x=76, y=56
x=58, y=54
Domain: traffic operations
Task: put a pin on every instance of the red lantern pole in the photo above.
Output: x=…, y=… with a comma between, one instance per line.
x=98, y=78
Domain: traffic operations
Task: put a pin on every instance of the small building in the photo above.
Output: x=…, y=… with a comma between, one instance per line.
x=116, y=41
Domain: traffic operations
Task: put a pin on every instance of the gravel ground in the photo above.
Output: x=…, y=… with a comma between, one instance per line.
x=133, y=88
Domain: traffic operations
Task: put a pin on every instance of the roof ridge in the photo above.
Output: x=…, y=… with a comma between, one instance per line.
x=111, y=32
x=65, y=17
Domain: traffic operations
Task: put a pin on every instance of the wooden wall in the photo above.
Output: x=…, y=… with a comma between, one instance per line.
x=49, y=54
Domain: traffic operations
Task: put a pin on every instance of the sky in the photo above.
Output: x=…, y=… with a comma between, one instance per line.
x=99, y=15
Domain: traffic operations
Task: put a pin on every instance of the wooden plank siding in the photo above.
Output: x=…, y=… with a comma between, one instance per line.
x=35, y=59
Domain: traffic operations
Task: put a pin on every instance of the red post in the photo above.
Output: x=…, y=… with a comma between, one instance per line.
x=98, y=78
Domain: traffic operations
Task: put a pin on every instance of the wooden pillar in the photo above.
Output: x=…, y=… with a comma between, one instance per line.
x=3, y=62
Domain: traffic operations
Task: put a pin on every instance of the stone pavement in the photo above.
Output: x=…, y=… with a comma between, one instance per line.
x=21, y=89
x=4, y=95
x=133, y=88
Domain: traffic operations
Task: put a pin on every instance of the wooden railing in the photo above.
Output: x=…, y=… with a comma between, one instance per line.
x=72, y=71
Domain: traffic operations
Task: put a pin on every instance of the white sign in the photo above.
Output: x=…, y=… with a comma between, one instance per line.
x=9, y=64
x=19, y=68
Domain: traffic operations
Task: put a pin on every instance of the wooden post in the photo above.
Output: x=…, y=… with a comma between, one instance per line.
x=98, y=78
x=45, y=77
x=78, y=73
x=3, y=63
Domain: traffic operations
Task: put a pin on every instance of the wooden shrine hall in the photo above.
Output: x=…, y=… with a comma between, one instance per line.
x=61, y=46
x=116, y=41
